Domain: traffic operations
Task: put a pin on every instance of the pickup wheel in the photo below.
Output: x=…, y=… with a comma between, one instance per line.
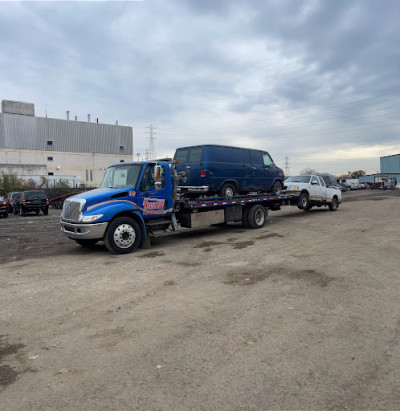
x=333, y=206
x=122, y=236
x=256, y=216
x=86, y=243
x=304, y=202
x=276, y=188
x=46, y=211
x=227, y=190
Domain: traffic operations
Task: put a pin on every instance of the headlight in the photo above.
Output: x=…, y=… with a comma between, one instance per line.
x=91, y=218
x=293, y=188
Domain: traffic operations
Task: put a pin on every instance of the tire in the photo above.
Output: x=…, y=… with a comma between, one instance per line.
x=227, y=190
x=304, y=202
x=245, y=217
x=123, y=235
x=86, y=243
x=276, y=188
x=37, y=212
x=15, y=210
x=333, y=206
x=22, y=212
x=46, y=211
x=256, y=217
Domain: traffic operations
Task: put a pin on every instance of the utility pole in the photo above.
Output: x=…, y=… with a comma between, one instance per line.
x=287, y=172
x=151, y=151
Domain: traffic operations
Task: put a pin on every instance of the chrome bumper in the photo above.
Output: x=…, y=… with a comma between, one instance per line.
x=84, y=231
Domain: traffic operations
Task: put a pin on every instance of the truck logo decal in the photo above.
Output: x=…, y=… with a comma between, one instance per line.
x=153, y=206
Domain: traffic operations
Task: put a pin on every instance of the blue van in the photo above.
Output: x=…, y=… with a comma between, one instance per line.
x=227, y=170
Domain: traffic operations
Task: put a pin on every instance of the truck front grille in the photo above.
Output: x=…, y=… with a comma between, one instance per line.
x=72, y=209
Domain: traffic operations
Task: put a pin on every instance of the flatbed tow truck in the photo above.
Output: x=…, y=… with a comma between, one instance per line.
x=140, y=200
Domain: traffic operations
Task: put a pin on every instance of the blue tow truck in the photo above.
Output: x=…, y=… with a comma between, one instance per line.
x=140, y=200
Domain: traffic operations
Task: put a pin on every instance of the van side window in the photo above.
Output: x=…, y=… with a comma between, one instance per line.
x=195, y=155
x=181, y=156
x=226, y=155
x=267, y=160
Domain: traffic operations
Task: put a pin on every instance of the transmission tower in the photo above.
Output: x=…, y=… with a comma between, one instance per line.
x=287, y=170
x=151, y=151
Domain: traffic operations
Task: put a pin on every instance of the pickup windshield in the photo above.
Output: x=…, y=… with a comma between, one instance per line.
x=298, y=179
x=125, y=176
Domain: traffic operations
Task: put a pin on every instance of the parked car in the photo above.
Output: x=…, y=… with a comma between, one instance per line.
x=3, y=208
x=10, y=199
x=227, y=170
x=33, y=200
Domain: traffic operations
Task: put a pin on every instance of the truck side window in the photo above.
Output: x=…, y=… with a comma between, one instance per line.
x=321, y=180
x=147, y=180
x=267, y=160
x=315, y=180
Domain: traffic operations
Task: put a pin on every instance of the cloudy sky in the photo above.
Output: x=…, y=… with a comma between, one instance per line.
x=316, y=82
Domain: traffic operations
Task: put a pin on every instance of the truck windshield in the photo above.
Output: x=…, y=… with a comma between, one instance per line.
x=125, y=176
x=298, y=179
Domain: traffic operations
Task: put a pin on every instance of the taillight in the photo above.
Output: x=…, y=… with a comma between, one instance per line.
x=47, y=201
x=202, y=173
x=10, y=200
x=23, y=202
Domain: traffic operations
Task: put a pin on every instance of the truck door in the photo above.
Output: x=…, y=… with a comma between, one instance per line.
x=317, y=192
x=155, y=202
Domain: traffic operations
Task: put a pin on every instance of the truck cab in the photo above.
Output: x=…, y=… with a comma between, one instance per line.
x=130, y=194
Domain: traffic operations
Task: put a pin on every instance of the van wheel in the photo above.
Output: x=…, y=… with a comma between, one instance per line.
x=333, y=206
x=276, y=188
x=122, y=236
x=256, y=216
x=227, y=190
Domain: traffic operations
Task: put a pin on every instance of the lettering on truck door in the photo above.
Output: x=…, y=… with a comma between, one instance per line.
x=154, y=202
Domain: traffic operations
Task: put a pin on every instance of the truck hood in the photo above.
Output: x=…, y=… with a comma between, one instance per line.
x=103, y=194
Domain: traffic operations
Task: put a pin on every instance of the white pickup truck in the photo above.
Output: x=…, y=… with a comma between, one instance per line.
x=311, y=190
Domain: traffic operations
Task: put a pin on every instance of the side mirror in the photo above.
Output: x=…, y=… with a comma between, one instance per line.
x=157, y=177
x=314, y=183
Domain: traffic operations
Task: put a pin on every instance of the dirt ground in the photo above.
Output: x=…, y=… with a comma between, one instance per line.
x=301, y=314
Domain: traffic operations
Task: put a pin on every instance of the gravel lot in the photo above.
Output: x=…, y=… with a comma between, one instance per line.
x=302, y=314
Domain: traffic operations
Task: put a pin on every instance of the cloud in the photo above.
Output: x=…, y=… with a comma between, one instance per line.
x=287, y=76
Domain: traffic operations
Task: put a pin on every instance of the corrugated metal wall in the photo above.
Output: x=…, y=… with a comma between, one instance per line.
x=33, y=133
x=390, y=164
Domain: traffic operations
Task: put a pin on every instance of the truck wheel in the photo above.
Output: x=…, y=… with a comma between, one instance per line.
x=22, y=211
x=333, y=206
x=227, y=190
x=276, y=188
x=304, y=202
x=46, y=211
x=86, y=243
x=245, y=217
x=256, y=217
x=122, y=236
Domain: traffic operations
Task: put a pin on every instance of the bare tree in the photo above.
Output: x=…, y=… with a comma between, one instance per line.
x=307, y=171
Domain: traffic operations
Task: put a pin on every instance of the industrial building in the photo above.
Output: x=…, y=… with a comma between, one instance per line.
x=78, y=151
x=389, y=167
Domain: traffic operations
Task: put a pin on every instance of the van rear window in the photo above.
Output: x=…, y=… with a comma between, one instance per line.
x=195, y=155
x=180, y=155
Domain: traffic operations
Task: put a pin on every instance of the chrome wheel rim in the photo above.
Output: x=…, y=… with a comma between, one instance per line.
x=228, y=192
x=124, y=236
x=304, y=201
x=259, y=217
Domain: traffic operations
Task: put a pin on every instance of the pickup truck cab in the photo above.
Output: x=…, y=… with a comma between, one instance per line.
x=311, y=190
